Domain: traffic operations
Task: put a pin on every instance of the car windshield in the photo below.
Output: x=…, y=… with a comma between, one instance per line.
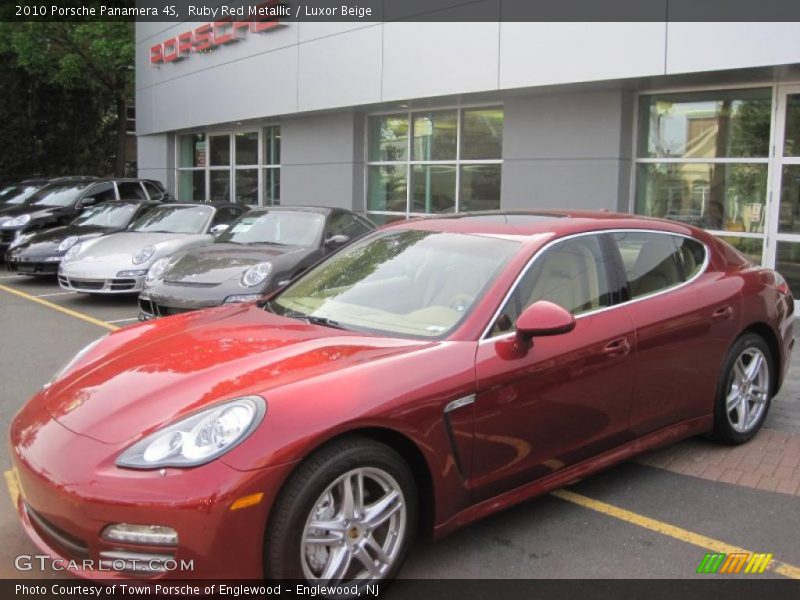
x=107, y=215
x=284, y=227
x=407, y=283
x=58, y=194
x=17, y=194
x=174, y=219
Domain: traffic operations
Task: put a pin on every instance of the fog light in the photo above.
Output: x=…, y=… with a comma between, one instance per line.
x=133, y=273
x=153, y=535
x=242, y=298
x=52, y=259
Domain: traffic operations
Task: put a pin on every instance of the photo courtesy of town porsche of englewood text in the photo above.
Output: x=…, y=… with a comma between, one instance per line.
x=441, y=299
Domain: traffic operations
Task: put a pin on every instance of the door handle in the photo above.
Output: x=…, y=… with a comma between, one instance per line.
x=723, y=313
x=620, y=347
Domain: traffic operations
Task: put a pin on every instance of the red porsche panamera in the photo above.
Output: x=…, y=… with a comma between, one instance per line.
x=428, y=375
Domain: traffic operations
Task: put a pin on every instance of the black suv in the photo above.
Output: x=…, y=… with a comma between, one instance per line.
x=61, y=200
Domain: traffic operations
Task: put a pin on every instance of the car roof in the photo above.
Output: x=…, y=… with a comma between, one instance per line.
x=325, y=210
x=129, y=201
x=528, y=223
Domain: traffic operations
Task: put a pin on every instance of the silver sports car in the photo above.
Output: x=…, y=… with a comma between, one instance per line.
x=118, y=263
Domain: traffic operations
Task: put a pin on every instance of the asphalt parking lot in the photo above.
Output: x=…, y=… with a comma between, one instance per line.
x=653, y=518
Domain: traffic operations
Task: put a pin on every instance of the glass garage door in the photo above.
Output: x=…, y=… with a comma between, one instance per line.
x=783, y=247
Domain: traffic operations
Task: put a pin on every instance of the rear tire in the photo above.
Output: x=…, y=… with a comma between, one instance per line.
x=744, y=391
x=363, y=499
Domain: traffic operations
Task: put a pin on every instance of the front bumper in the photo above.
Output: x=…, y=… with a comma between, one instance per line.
x=165, y=299
x=31, y=265
x=114, y=285
x=65, y=505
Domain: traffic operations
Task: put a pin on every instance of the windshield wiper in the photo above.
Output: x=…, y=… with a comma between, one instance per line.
x=325, y=321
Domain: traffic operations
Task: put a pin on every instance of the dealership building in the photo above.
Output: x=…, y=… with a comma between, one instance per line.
x=697, y=122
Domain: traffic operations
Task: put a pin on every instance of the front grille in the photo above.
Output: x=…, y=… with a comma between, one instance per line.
x=83, y=284
x=8, y=236
x=34, y=268
x=119, y=285
x=150, y=309
x=69, y=544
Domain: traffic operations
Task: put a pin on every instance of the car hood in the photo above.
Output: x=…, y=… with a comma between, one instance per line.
x=118, y=248
x=47, y=241
x=35, y=211
x=219, y=262
x=142, y=378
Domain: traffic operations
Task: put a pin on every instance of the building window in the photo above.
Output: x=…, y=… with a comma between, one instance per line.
x=702, y=158
x=437, y=161
x=241, y=167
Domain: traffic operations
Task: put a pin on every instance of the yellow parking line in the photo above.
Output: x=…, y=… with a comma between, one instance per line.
x=13, y=486
x=672, y=531
x=61, y=309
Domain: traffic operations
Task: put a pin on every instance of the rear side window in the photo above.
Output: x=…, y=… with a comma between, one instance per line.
x=571, y=274
x=130, y=190
x=155, y=192
x=657, y=261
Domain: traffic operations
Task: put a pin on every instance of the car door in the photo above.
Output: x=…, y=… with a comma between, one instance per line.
x=685, y=316
x=568, y=397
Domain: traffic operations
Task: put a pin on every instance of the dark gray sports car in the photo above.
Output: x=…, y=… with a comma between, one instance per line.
x=259, y=252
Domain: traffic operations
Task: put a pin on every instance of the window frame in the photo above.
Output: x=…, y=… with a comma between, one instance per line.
x=618, y=277
x=409, y=162
x=261, y=167
x=768, y=205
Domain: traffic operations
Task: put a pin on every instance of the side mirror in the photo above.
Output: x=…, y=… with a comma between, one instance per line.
x=541, y=319
x=337, y=240
x=216, y=230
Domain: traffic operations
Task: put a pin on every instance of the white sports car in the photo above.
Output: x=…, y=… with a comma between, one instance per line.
x=118, y=263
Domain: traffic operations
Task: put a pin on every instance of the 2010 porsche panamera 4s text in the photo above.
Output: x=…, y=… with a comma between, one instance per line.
x=430, y=374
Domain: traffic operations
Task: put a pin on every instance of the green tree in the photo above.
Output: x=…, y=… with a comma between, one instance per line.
x=92, y=57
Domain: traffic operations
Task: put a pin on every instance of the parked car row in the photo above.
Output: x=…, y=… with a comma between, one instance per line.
x=424, y=376
x=176, y=256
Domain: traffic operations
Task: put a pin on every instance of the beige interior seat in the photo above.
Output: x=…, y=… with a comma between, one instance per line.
x=568, y=278
x=656, y=268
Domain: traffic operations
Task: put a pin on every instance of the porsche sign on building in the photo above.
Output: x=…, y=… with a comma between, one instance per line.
x=694, y=121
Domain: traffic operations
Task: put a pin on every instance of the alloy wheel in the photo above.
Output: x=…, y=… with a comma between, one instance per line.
x=748, y=390
x=356, y=528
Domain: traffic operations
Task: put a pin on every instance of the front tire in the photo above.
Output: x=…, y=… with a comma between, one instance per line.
x=347, y=516
x=744, y=391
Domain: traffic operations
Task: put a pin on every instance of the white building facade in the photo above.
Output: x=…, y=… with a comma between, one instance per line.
x=697, y=122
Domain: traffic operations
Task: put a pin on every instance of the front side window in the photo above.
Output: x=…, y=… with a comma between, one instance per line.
x=406, y=283
x=572, y=274
x=279, y=227
x=655, y=261
x=174, y=219
x=434, y=162
x=347, y=224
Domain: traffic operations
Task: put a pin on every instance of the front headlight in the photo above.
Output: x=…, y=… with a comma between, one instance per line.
x=73, y=361
x=68, y=243
x=72, y=252
x=143, y=255
x=18, y=221
x=256, y=274
x=157, y=269
x=199, y=438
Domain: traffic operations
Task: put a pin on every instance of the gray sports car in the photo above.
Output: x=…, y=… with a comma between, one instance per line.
x=118, y=263
x=259, y=253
